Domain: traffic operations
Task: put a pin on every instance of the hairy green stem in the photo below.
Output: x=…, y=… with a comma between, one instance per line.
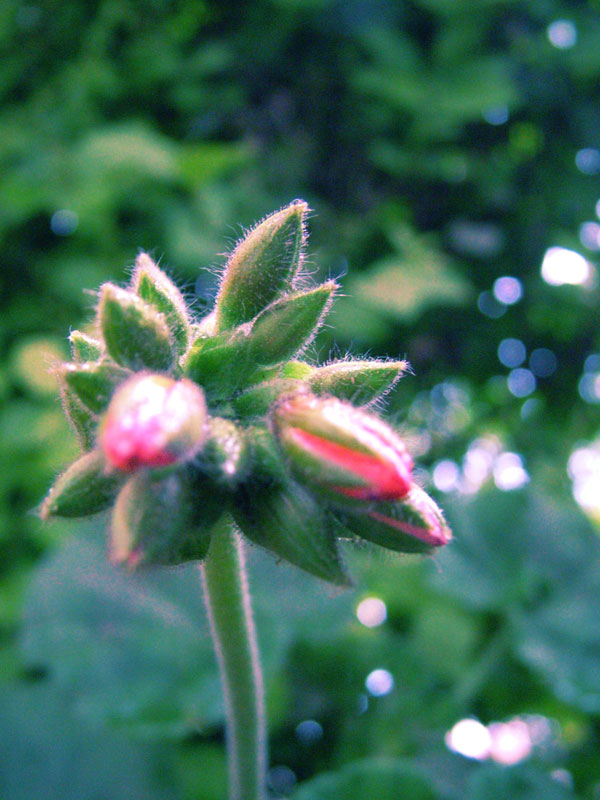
x=234, y=636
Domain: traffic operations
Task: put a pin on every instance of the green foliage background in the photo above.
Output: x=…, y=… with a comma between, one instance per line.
x=170, y=125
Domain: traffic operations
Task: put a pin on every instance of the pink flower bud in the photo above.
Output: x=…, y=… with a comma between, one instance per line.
x=413, y=524
x=153, y=421
x=348, y=455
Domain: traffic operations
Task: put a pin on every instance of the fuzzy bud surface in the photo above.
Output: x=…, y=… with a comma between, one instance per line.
x=343, y=453
x=153, y=421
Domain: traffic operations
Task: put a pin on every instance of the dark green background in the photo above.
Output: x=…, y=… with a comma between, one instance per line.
x=169, y=126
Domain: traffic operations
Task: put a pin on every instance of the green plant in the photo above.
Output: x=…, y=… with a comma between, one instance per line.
x=200, y=433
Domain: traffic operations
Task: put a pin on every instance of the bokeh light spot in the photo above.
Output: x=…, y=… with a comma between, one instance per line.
x=584, y=470
x=592, y=363
x=64, y=222
x=508, y=290
x=589, y=387
x=506, y=743
x=371, y=612
x=562, y=776
x=309, y=731
x=281, y=780
x=469, y=738
x=543, y=362
x=509, y=472
x=498, y=115
x=561, y=266
x=512, y=352
x=529, y=407
x=511, y=741
x=488, y=305
x=589, y=235
x=562, y=34
x=478, y=462
x=446, y=475
x=587, y=160
x=521, y=382
x=379, y=682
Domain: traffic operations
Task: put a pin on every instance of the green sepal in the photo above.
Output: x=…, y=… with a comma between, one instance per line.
x=163, y=519
x=262, y=266
x=264, y=374
x=360, y=382
x=153, y=286
x=135, y=333
x=83, y=347
x=220, y=364
x=289, y=523
x=87, y=487
x=226, y=455
x=94, y=383
x=256, y=401
x=268, y=467
x=82, y=420
x=299, y=370
x=413, y=525
x=288, y=325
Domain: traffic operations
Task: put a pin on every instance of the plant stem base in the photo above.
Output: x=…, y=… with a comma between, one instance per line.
x=234, y=636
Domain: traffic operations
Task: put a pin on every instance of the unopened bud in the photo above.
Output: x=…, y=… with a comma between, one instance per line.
x=290, y=523
x=263, y=266
x=414, y=524
x=289, y=324
x=83, y=347
x=346, y=455
x=157, y=520
x=94, y=382
x=226, y=453
x=135, y=333
x=85, y=488
x=153, y=421
x=152, y=285
x=220, y=364
x=361, y=382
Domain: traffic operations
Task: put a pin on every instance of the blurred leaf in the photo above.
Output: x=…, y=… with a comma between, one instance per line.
x=492, y=782
x=202, y=772
x=383, y=779
x=47, y=753
x=200, y=163
x=131, y=147
x=420, y=275
x=32, y=361
x=511, y=545
x=444, y=98
x=449, y=164
x=536, y=564
x=136, y=648
x=560, y=639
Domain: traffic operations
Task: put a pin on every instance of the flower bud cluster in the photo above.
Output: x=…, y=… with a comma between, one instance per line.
x=181, y=420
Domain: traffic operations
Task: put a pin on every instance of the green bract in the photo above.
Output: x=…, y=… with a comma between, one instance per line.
x=136, y=335
x=153, y=286
x=85, y=488
x=263, y=266
x=279, y=444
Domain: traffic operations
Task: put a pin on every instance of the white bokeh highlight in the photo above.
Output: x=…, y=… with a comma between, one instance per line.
x=371, y=612
x=562, y=266
x=379, y=682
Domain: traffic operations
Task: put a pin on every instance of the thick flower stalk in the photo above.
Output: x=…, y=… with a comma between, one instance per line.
x=191, y=426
